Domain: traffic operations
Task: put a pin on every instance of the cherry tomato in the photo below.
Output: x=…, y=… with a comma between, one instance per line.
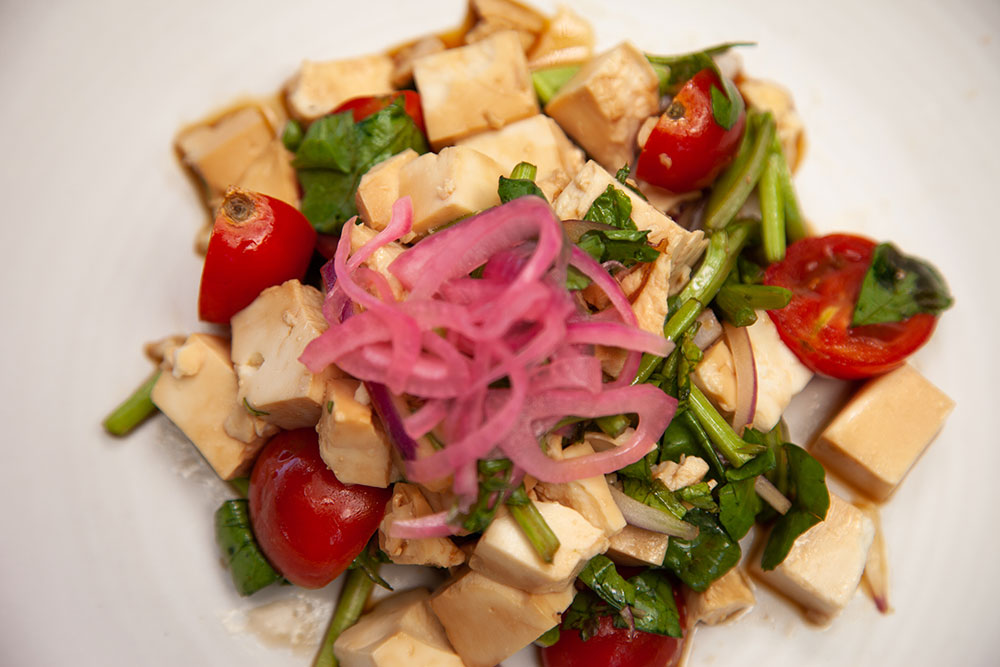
x=825, y=275
x=612, y=647
x=257, y=241
x=687, y=148
x=362, y=107
x=308, y=524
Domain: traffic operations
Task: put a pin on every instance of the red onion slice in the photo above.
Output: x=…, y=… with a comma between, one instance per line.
x=746, y=376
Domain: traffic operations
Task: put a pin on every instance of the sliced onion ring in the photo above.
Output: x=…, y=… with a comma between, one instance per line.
x=746, y=376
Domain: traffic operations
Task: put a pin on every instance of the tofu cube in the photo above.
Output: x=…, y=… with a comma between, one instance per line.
x=446, y=186
x=726, y=599
x=351, y=443
x=882, y=431
x=650, y=304
x=780, y=375
x=269, y=335
x=604, y=104
x=824, y=566
x=537, y=140
x=488, y=622
x=408, y=502
x=197, y=394
x=473, y=88
x=504, y=554
x=378, y=190
x=682, y=247
x=589, y=496
x=400, y=630
x=568, y=39
x=638, y=547
x=320, y=87
x=675, y=476
x=271, y=173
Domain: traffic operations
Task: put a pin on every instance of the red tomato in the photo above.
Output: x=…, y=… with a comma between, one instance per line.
x=362, y=107
x=611, y=647
x=257, y=241
x=687, y=149
x=825, y=275
x=308, y=524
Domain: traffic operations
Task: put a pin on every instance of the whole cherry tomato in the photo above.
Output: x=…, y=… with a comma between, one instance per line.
x=825, y=274
x=257, y=241
x=688, y=148
x=308, y=524
x=612, y=647
x=362, y=107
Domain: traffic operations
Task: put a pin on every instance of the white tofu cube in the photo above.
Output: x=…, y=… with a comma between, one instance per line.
x=400, y=630
x=675, y=476
x=568, y=39
x=504, y=554
x=604, y=104
x=780, y=374
x=638, y=547
x=351, y=443
x=197, y=393
x=473, y=88
x=271, y=173
x=824, y=566
x=488, y=622
x=446, y=186
x=589, y=496
x=269, y=335
x=650, y=304
x=726, y=599
x=378, y=190
x=537, y=140
x=320, y=87
x=408, y=502
x=878, y=436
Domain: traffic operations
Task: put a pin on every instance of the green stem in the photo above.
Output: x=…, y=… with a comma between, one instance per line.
x=772, y=210
x=548, y=81
x=734, y=448
x=524, y=171
x=701, y=437
x=649, y=363
x=795, y=225
x=682, y=319
x=353, y=596
x=739, y=180
x=133, y=410
x=533, y=524
x=613, y=425
x=724, y=247
x=738, y=303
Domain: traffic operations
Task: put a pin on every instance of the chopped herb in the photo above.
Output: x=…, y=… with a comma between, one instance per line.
x=707, y=557
x=675, y=71
x=646, y=599
x=810, y=498
x=628, y=246
x=738, y=507
x=698, y=495
x=897, y=287
x=520, y=184
x=494, y=479
x=739, y=303
x=612, y=207
x=549, y=637
x=369, y=561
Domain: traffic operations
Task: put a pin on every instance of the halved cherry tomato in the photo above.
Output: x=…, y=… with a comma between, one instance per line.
x=308, y=524
x=612, y=647
x=825, y=275
x=687, y=148
x=257, y=241
x=362, y=107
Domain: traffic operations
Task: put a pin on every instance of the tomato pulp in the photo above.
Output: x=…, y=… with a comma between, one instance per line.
x=825, y=274
x=308, y=524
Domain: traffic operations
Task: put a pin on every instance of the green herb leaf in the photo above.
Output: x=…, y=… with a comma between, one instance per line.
x=707, y=557
x=583, y=613
x=760, y=464
x=699, y=495
x=681, y=67
x=292, y=135
x=549, y=637
x=654, y=608
x=897, y=287
x=330, y=143
x=575, y=280
x=369, y=561
x=600, y=575
x=233, y=533
x=810, y=502
x=548, y=81
x=494, y=478
x=738, y=507
x=612, y=207
x=655, y=494
x=512, y=188
x=628, y=246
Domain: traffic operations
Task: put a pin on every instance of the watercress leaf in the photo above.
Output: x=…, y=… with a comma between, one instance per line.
x=806, y=488
x=327, y=198
x=783, y=535
x=329, y=143
x=612, y=207
x=512, y=188
x=738, y=507
x=583, y=613
x=641, y=469
x=627, y=246
x=707, y=557
x=896, y=287
x=699, y=495
x=387, y=132
x=681, y=67
x=726, y=106
x=758, y=465
x=654, y=494
x=600, y=575
x=654, y=609
x=575, y=280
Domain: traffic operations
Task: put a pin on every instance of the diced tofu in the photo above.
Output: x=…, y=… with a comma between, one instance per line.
x=197, y=394
x=824, y=566
x=604, y=103
x=498, y=15
x=726, y=599
x=403, y=58
x=488, y=622
x=380, y=259
x=400, y=630
x=504, y=554
x=454, y=183
x=665, y=200
x=537, y=140
x=320, y=87
x=269, y=335
x=638, y=547
x=221, y=151
x=568, y=39
x=474, y=88
x=769, y=96
x=271, y=173
x=589, y=496
x=675, y=476
x=409, y=503
x=682, y=247
x=878, y=436
x=650, y=305
x=780, y=375
x=379, y=189
x=351, y=443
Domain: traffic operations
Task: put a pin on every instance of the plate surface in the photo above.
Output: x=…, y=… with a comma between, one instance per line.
x=107, y=553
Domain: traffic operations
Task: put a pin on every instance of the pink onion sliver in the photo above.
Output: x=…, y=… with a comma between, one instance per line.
x=399, y=226
x=386, y=409
x=590, y=268
x=421, y=422
x=618, y=335
x=746, y=376
x=432, y=525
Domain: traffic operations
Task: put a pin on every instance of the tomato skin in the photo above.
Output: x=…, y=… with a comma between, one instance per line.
x=308, y=524
x=611, y=647
x=825, y=274
x=257, y=241
x=693, y=146
x=362, y=107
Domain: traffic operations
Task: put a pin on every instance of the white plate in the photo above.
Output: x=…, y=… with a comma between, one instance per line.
x=107, y=553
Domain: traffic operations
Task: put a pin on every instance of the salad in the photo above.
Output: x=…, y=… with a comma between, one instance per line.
x=505, y=307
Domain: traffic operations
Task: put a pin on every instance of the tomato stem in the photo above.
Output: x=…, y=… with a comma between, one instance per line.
x=353, y=597
x=238, y=207
x=133, y=410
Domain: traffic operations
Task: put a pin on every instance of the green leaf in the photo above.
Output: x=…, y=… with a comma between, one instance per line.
x=612, y=207
x=512, y=188
x=248, y=567
x=548, y=81
x=648, y=595
x=583, y=613
x=897, y=287
x=699, y=495
x=292, y=135
x=783, y=535
x=758, y=465
x=329, y=143
x=327, y=198
x=810, y=502
x=494, y=479
x=369, y=561
x=600, y=575
x=738, y=507
x=655, y=494
x=628, y=246
x=704, y=559
x=654, y=609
